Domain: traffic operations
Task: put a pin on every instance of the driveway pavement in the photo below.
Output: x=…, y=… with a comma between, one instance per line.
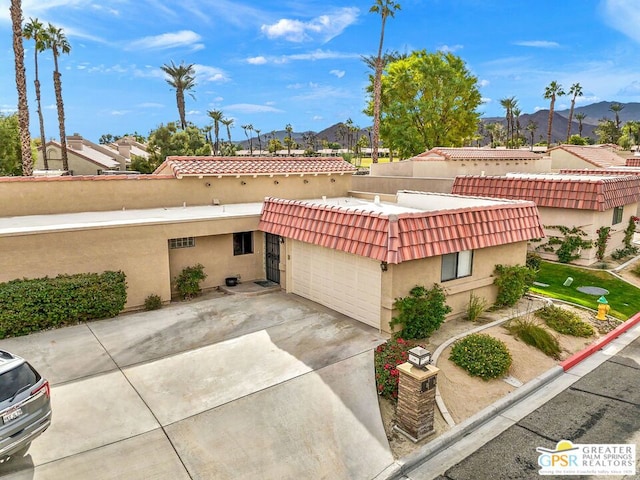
x=271, y=386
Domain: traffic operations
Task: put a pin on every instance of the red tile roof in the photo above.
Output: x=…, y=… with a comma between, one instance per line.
x=633, y=162
x=563, y=192
x=396, y=238
x=469, y=153
x=84, y=178
x=196, y=166
x=613, y=171
x=595, y=155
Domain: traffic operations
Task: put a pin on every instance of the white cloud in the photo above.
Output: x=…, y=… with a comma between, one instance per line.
x=322, y=28
x=624, y=16
x=486, y=100
x=588, y=99
x=337, y=73
x=193, y=112
x=483, y=83
x=251, y=108
x=631, y=90
x=119, y=113
x=205, y=74
x=183, y=38
x=317, y=118
x=259, y=60
x=537, y=108
x=150, y=105
x=450, y=48
x=537, y=44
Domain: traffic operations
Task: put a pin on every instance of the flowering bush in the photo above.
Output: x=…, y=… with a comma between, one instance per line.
x=601, y=243
x=387, y=357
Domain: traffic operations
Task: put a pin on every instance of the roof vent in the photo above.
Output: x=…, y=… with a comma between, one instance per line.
x=376, y=199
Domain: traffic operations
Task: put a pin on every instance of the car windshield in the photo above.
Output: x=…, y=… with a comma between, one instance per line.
x=17, y=379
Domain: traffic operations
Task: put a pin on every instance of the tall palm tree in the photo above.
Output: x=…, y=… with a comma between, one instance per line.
x=553, y=90
x=580, y=117
x=56, y=41
x=531, y=127
x=515, y=126
x=228, y=122
x=21, y=86
x=575, y=91
x=509, y=103
x=616, y=108
x=385, y=8
x=216, y=116
x=182, y=79
x=288, y=140
x=34, y=30
x=257, y=130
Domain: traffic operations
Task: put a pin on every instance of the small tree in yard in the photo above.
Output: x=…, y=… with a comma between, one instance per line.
x=513, y=282
x=188, y=282
x=422, y=312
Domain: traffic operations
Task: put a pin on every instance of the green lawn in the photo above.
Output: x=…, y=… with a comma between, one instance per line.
x=366, y=161
x=623, y=298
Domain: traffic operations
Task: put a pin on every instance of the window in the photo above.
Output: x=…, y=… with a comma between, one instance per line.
x=456, y=265
x=184, y=242
x=242, y=243
x=617, y=215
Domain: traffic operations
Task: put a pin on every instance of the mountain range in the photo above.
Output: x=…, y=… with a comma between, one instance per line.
x=594, y=113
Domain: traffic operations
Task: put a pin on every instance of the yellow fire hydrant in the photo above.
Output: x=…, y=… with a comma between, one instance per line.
x=603, y=308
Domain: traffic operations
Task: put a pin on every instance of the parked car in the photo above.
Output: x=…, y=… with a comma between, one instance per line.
x=25, y=405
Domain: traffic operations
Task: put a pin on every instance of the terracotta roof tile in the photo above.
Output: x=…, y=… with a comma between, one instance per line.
x=196, y=166
x=590, y=193
x=595, y=155
x=633, y=162
x=401, y=237
x=470, y=153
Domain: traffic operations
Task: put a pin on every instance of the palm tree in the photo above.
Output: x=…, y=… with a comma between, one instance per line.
x=288, y=141
x=257, y=130
x=580, y=117
x=616, y=108
x=515, y=126
x=34, y=30
x=182, y=79
x=56, y=41
x=386, y=8
x=216, y=116
x=531, y=127
x=228, y=122
x=509, y=104
x=576, y=91
x=553, y=90
x=21, y=85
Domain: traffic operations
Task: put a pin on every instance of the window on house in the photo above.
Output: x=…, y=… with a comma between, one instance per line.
x=617, y=215
x=184, y=242
x=456, y=265
x=242, y=243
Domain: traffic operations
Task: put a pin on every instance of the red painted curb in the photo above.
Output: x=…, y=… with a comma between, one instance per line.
x=577, y=357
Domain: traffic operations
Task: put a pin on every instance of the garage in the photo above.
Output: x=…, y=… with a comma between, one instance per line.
x=344, y=282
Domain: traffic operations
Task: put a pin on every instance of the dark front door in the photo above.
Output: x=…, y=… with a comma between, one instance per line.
x=273, y=257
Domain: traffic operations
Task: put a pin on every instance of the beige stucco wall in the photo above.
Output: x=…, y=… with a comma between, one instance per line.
x=453, y=168
x=79, y=165
x=401, y=278
x=589, y=221
x=142, y=252
x=563, y=159
x=41, y=196
x=391, y=185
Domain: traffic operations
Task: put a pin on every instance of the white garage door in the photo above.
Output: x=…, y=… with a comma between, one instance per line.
x=341, y=281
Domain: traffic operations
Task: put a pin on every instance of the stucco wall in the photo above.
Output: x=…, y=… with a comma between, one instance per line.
x=41, y=196
x=79, y=165
x=401, y=278
x=563, y=159
x=391, y=185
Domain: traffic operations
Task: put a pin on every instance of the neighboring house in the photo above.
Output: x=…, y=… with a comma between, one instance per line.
x=348, y=253
x=584, y=156
x=434, y=171
x=633, y=161
x=357, y=256
x=587, y=202
x=129, y=147
x=85, y=157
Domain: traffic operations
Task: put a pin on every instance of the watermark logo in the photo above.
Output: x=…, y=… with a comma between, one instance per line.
x=587, y=459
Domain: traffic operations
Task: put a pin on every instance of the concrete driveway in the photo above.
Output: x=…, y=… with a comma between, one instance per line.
x=271, y=386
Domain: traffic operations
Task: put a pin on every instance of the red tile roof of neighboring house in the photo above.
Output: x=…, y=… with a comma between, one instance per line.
x=396, y=238
x=613, y=171
x=468, y=153
x=186, y=166
x=633, y=162
x=84, y=178
x=565, y=191
x=595, y=155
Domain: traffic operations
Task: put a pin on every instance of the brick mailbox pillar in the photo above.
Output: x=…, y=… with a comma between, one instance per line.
x=416, y=401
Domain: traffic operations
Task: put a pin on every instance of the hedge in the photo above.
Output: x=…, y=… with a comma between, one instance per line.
x=30, y=305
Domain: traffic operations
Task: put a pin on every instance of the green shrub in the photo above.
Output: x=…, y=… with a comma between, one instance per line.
x=513, y=282
x=188, y=282
x=30, y=305
x=625, y=252
x=387, y=357
x=636, y=269
x=421, y=313
x=152, y=302
x=482, y=356
x=564, y=321
x=533, y=334
x=476, y=307
x=533, y=261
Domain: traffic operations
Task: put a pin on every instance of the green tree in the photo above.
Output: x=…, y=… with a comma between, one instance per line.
x=169, y=140
x=575, y=91
x=607, y=131
x=580, y=117
x=631, y=130
x=34, y=30
x=216, y=116
x=21, y=86
x=532, y=127
x=10, y=145
x=516, y=126
x=551, y=92
x=509, y=103
x=288, y=140
x=228, y=123
x=274, y=145
x=385, y=8
x=182, y=79
x=428, y=100
x=616, y=108
x=56, y=41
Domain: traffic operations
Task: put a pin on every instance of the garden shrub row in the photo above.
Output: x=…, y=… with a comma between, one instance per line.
x=30, y=305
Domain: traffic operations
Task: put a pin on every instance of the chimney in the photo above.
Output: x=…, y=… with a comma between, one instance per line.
x=124, y=149
x=75, y=141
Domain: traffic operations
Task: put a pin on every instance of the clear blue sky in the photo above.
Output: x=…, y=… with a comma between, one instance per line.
x=271, y=63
